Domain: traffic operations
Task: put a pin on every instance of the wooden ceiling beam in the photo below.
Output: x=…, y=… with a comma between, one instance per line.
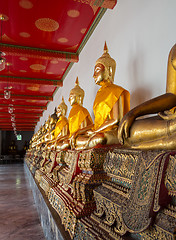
x=38, y=53
x=28, y=115
x=34, y=120
x=21, y=129
x=32, y=107
x=25, y=80
x=18, y=124
x=28, y=97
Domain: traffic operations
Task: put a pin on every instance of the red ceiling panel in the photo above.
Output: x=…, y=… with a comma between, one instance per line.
x=40, y=39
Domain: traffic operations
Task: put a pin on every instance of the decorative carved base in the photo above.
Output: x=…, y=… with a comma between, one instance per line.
x=38, y=175
x=109, y=193
x=59, y=165
x=134, y=204
x=46, y=183
x=68, y=208
x=73, y=197
x=71, y=169
x=47, y=176
x=84, y=183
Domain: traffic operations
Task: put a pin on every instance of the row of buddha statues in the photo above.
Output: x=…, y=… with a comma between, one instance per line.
x=114, y=122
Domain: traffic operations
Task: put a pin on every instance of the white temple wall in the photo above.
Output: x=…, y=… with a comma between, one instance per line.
x=139, y=35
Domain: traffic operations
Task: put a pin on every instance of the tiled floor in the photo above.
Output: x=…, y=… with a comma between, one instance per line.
x=18, y=216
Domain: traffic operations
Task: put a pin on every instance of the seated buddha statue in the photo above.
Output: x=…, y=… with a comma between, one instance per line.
x=42, y=132
x=52, y=120
x=45, y=133
x=110, y=105
x=158, y=132
x=61, y=129
x=79, y=117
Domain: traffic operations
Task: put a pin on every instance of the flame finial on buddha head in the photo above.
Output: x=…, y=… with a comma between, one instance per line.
x=108, y=62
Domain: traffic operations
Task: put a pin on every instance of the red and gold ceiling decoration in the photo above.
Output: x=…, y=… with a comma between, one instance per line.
x=41, y=40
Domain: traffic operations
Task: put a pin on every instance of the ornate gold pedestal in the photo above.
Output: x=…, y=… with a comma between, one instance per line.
x=110, y=193
x=134, y=203
x=73, y=197
x=41, y=166
x=35, y=161
x=50, y=178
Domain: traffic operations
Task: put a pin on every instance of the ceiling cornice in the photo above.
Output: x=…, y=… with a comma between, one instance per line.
x=38, y=53
x=28, y=97
x=25, y=80
x=28, y=114
x=25, y=106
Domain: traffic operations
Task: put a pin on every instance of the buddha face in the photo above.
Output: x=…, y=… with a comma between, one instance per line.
x=59, y=112
x=72, y=99
x=99, y=73
x=51, y=121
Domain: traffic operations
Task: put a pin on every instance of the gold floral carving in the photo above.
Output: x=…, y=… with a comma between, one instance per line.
x=156, y=233
x=38, y=175
x=23, y=58
x=24, y=34
x=66, y=174
x=83, y=30
x=62, y=40
x=54, y=62
x=26, y=4
x=73, y=13
x=92, y=159
x=37, y=67
x=170, y=179
x=46, y=24
x=60, y=204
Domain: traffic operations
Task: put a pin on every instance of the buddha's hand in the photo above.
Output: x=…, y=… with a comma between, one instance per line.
x=90, y=132
x=73, y=140
x=124, y=127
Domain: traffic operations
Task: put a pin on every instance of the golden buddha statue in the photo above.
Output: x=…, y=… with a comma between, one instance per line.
x=79, y=117
x=158, y=132
x=112, y=102
x=47, y=129
x=52, y=120
x=61, y=129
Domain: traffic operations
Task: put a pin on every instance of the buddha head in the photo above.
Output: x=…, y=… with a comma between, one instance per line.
x=43, y=128
x=62, y=109
x=53, y=118
x=47, y=124
x=76, y=94
x=104, y=68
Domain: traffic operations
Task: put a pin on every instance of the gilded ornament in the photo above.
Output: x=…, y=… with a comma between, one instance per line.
x=158, y=132
x=26, y=4
x=37, y=67
x=46, y=24
x=73, y=13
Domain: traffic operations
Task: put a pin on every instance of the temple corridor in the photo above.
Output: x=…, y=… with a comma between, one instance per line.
x=18, y=215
